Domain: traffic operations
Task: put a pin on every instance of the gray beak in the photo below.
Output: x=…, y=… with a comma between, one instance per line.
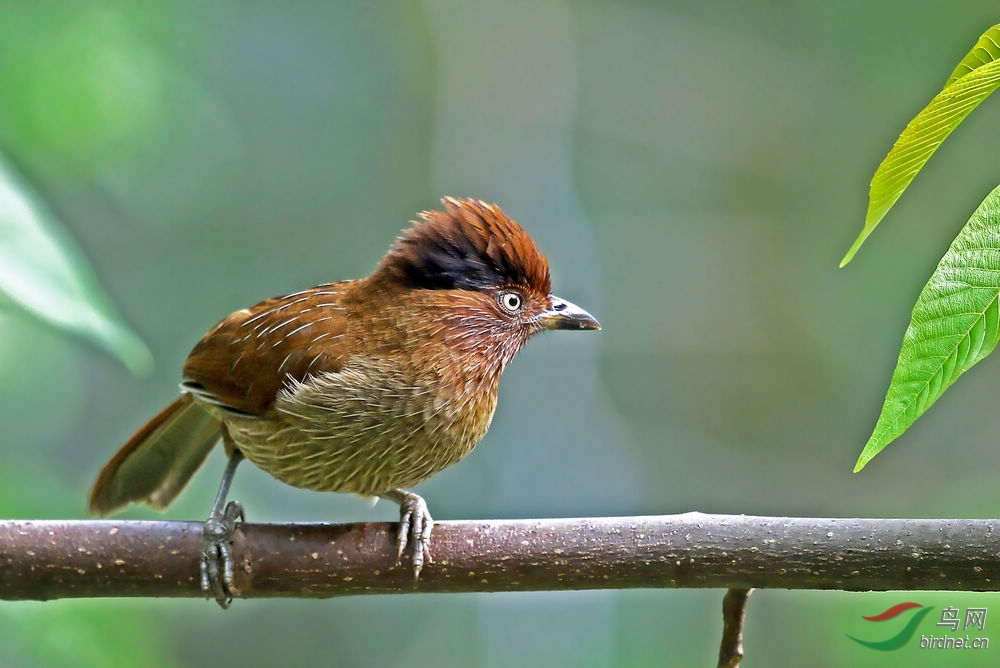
x=565, y=315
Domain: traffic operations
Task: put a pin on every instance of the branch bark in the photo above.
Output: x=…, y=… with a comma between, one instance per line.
x=41, y=560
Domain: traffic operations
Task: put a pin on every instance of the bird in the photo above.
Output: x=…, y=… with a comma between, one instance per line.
x=365, y=386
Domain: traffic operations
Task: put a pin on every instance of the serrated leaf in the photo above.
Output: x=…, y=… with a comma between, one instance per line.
x=955, y=323
x=43, y=272
x=928, y=129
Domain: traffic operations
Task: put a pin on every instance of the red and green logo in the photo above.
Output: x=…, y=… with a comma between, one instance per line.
x=904, y=634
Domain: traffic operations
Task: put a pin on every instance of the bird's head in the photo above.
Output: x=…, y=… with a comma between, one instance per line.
x=479, y=274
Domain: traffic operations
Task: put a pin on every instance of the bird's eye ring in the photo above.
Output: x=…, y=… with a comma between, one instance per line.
x=511, y=301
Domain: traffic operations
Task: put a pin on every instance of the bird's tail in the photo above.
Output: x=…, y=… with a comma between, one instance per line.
x=156, y=463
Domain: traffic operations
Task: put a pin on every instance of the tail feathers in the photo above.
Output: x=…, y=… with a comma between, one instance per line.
x=156, y=463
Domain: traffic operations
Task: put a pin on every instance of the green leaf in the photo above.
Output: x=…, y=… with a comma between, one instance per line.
x=43, y=272
x=973, y=80
x=955, y=323
x=986, y=50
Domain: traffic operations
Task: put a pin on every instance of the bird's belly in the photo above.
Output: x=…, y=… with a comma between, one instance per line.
x=362, y=445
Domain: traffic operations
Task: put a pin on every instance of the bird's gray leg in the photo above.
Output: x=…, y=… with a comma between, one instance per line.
x=415, y=524
x=217, y=554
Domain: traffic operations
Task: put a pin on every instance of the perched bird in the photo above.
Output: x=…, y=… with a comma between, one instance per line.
x=366, y=386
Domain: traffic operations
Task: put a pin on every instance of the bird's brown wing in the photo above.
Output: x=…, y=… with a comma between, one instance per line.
x=244, y=361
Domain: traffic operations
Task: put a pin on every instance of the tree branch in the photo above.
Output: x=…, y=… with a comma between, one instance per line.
x=50, y=559
x=734, y=612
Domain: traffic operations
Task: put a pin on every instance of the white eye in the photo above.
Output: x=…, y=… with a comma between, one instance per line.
x=511, y=301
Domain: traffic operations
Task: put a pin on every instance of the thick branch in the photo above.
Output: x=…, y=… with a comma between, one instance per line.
x=57, y=559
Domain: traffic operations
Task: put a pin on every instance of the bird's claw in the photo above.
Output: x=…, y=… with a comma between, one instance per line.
x=217, y=579
x=415, y=525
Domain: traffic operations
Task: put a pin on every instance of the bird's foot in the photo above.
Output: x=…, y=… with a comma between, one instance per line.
x=415, y=525
x=217, y=555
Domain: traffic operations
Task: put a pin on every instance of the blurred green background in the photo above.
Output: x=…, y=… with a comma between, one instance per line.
x=694, y=172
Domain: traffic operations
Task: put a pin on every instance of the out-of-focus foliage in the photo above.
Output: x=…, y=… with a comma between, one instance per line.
x=690, y=170
x=973, y=80
x=80, y=633
x=42, y=272
x=89, y=84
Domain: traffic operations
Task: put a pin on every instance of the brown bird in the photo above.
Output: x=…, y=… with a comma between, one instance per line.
x=367, y=386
